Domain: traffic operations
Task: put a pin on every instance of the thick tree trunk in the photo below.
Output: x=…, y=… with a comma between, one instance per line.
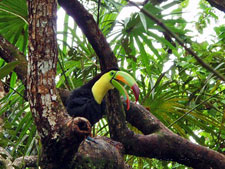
x=60, y=134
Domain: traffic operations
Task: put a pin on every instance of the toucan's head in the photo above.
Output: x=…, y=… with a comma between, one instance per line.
x=111, y=79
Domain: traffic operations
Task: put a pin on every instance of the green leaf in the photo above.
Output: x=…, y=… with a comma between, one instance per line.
x=7, y=69
x=14, y=21
x=144, y=56
x=143, y=20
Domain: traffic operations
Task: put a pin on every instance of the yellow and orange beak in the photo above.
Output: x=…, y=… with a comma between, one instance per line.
x=128, y=80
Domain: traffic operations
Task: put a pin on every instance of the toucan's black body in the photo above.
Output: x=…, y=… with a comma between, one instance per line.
x=88, y=100
x=81, y=102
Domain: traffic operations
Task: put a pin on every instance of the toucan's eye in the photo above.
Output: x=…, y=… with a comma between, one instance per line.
x=111, y=73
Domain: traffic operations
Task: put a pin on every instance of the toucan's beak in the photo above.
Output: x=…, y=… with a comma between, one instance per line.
x=128, y=80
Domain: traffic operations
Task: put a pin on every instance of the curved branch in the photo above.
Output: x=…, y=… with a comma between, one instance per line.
x=159, y=142
x=90, y=28
x=10, y=53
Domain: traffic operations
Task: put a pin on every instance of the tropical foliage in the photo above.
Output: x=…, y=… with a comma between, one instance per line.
x=181, y=93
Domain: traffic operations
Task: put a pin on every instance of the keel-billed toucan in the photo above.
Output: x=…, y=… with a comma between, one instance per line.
x=88, y=100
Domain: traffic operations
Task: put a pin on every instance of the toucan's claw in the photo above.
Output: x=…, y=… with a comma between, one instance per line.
x=90, y=139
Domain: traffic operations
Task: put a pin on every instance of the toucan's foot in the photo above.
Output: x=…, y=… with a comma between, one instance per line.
x=90, y=139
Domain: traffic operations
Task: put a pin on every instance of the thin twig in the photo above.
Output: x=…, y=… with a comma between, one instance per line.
x=190, y=51
x=99, y=5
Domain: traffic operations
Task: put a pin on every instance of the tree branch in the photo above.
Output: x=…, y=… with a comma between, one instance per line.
x=5, y=159
x=27, y=161
x=159, y=142
x=105, y=153
x=219, y=4
x=9, y=53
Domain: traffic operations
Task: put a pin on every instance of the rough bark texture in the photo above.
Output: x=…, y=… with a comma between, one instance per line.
x=104, y=154
x=42, y=65
x=52, y=148
x=5, y=159
x=27, y=161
